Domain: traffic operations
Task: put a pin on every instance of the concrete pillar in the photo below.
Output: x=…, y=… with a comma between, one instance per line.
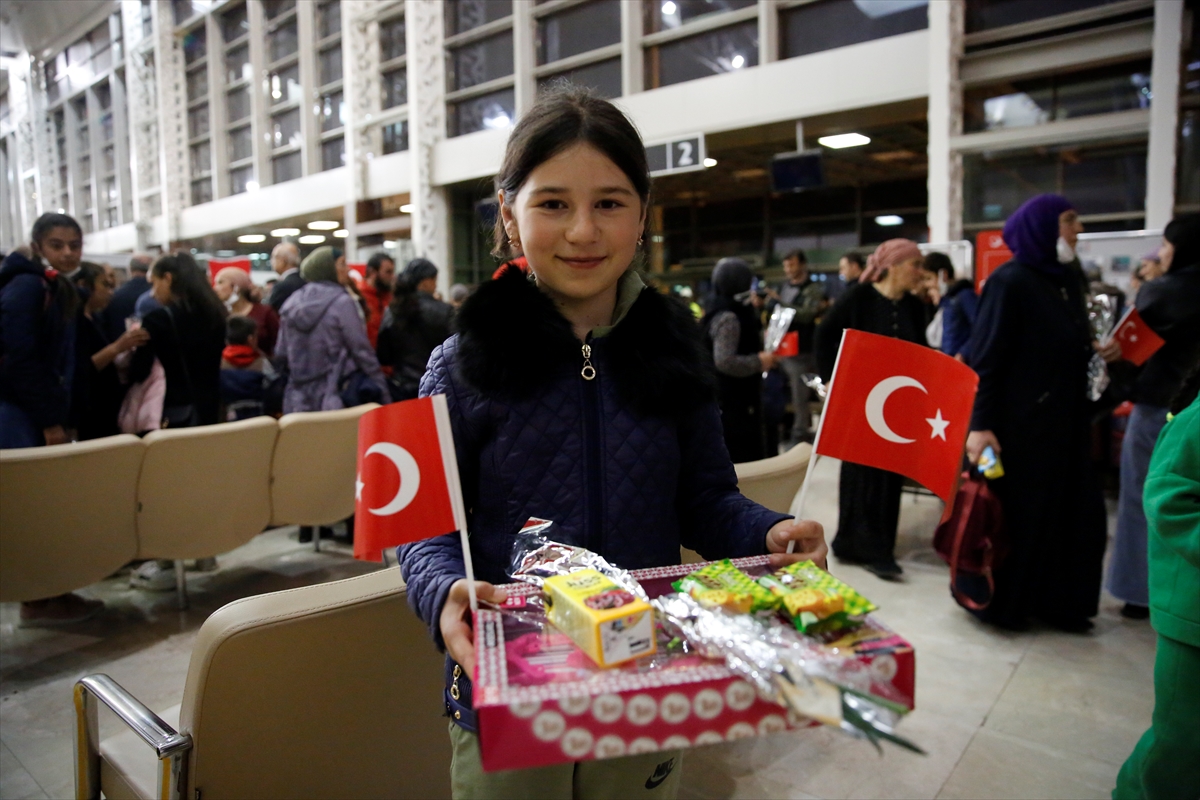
x=361, y=88
x=946, y=26
x=172, y=121
x=1164, y=113
x=632, y=55
x=768, y=31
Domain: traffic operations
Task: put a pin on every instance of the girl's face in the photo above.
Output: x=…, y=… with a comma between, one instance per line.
x=102, y=290
x=160, y=286
x=62, y=248
x=223, y=288
x=1069, y=226
x=577, y=219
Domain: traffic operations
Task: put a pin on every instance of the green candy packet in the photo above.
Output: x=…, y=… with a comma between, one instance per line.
x=724, y=575
x=808, y=574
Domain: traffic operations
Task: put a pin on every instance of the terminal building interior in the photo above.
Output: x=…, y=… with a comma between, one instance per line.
x=234, y=131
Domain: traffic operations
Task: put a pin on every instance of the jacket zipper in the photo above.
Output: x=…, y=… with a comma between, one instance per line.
x=593, y=532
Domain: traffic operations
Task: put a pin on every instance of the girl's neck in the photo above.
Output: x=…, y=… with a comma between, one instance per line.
x=241, y=307
x=587, y=313
x=889, y=289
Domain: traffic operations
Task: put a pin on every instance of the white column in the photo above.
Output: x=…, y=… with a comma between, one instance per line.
x=946, y=24
x=172, y=122
x=1164, y=113
x=426, y=129
x=360, y=87
x=524, y=57
x=22, y=87
x=632, y=57
x=768, y=31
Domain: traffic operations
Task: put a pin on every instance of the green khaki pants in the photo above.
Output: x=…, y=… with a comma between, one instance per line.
x=652, y=775
x=1165, y=765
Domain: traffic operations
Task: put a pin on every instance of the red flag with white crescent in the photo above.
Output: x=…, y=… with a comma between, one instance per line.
x=1137, y=339
x=899, y=406
x=407, y=487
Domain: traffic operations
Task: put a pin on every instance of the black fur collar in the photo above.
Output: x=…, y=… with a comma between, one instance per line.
x=513, y=341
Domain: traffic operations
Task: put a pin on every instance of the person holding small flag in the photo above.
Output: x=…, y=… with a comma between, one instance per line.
x=576, y=394
x=869, y=497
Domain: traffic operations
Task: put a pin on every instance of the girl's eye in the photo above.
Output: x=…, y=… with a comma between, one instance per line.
x=610, y=204
x=554, y=205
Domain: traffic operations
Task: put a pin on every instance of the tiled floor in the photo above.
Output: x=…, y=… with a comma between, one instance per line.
x=1038, y=715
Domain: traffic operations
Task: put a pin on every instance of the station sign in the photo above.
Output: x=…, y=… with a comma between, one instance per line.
x=681, y=154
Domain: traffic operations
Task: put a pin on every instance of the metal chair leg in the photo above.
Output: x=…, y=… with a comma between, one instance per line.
x=181, y=595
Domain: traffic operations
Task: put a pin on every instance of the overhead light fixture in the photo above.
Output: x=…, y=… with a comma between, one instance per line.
x=281, y=232
x=841, y=140
x=389, y=244
x=323, y=225
x=341, y=233
x=407, y=208
x=252, y=238
x=669, y=8
x=738, y=61
x=311, y=238
x=251, y=186
x=710, y=162
x=889, y=220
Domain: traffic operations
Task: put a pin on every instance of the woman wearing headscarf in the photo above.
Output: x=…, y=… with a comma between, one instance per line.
x=236, y=291
x=1031, y=345
x=1170, y=306
x=323, y=340
x=414, y=324
x=735, y=336
x=869, y=498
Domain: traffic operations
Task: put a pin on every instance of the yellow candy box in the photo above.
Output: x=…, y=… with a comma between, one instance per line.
x=606, y=621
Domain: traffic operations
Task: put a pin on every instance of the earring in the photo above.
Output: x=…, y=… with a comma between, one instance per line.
x=639, y=241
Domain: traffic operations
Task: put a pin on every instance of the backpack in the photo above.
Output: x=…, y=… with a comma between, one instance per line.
x=971, y=540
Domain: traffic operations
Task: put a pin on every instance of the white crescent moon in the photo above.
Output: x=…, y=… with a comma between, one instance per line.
x=410, y=476
x=878, y=396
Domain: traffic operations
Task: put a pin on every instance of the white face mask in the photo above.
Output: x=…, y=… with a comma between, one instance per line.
x=1066, y=253
x=942, y=286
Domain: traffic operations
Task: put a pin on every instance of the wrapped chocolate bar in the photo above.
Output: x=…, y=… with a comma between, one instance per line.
x=814, y=600
x=722, y=584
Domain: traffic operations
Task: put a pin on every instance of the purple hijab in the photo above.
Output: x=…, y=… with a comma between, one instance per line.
x=1032, y=231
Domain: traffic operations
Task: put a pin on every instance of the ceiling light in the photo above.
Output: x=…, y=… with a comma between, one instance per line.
x=323, y=225
x=281, y=232
x=312, y=238
x=844, y=140
x=407, y=208
x=389, y=244
x=252, y=238
x=669, y=8
x=710, y=162
x=888, y=220
x=251, y=186
x=738, y=61
x=341, y=234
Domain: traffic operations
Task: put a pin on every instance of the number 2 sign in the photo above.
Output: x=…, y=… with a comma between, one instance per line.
x=683, y=154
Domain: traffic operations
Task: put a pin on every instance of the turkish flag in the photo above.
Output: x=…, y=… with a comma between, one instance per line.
x=1138, y=341
x=407, y=487
x=215, y=265
x=789, y=346
x=898, y=406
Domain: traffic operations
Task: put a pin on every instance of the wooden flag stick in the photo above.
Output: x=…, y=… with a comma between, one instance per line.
x=441, y=414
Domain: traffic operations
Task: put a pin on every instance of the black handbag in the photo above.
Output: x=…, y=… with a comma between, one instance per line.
x=184, y=415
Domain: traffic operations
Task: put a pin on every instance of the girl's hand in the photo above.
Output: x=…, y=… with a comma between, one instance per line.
x=455, y=622
x=1110, y=351
x=768, y=360
x=131, y=339
x=978, y=441
x=809, y=537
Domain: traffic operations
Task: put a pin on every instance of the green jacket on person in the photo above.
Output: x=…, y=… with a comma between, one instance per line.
x=1172, y=504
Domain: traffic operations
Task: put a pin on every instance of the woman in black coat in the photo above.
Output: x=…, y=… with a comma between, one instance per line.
x=415, y=323
x=1031, y=345
x=884, y=303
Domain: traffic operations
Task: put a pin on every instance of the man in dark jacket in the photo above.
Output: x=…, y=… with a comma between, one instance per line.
x=124, y=300
x=285, y=260
x=807, y=296
x=414, y=324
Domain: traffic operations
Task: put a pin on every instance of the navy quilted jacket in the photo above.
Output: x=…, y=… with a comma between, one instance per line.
x=630, y=465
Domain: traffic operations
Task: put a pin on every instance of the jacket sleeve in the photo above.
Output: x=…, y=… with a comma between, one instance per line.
x=726, y=331
x=828, y=336
x=810, y=300
x=30, y=380
x=1172, y=496
x=715, y=519
x=143, y=356
x=354, y=336
x=990, y=348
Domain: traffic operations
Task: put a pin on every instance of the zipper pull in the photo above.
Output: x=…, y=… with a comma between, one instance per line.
x=588, y=372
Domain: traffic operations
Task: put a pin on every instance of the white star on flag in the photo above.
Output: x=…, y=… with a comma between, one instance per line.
x=358, y=486
x=938, y=425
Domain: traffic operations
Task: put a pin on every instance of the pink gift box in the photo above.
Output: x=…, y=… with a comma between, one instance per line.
x=539, y=700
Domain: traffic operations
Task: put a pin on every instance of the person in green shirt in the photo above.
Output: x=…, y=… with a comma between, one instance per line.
x=1166, y=761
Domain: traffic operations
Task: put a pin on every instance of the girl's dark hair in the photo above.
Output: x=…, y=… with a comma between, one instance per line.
x=85, y=278
x=49, y=221
x=189, y=287
x=939, y=263
x=561, y=117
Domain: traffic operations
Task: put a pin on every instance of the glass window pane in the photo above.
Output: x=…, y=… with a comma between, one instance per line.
x=333, y=153
x=197, y=83
x=329, y=65
x=724, y=50
x=985, y=14
x=241, y=143
x=235, y=23
x=395, y=137
x=283, y=40
x=578, y=30
x=480, y=61
x=283, y=86
x=329, y=18
x=285, y=128
x=274, y=8
x=110, y=218
x=1188, y=169
x=201, y=191
x=201, y=159
x=237, y=104
x=238, y=178
x=285, y=168
x=604, y=77
x=237, y=64
x=106, y=127
x=194, y=45
x=824, y=25
x=197, y=122
x=109, y=191
x=103, y=96
x=333, y=112
x=183, y=10
x=395, y=88
x=660, y=15
x=1105, y=180
x=463, y=15
x=495, y=110
x=391, y=39
x=110, y=158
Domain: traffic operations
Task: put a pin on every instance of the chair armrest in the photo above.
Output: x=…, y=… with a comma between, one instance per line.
x=170, y=746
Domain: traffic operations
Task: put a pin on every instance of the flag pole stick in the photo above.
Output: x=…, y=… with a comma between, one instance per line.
x=466, y=548
x=441, y=417
x=812, y=462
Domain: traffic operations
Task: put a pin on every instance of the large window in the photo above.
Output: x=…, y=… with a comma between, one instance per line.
x=987, y=14
x=479, y=65
x=195, y=57
x=331, y=108
x=683, y=43
x=235, y=33
x=827, y=24
x=582, y=45
x=392, y=133
x=284, y=94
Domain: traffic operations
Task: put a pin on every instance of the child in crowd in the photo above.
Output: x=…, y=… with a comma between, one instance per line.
x=245, y=371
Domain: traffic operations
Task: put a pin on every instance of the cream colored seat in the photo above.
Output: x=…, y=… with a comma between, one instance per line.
x=331, y=690
x=204, y=490
x=772, y=482
x=67, y=515
x=313, y=470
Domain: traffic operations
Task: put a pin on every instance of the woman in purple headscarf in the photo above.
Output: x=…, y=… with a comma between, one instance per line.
x=1031, y=345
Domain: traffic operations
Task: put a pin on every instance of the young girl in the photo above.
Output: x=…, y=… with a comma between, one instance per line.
x=578, y=395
